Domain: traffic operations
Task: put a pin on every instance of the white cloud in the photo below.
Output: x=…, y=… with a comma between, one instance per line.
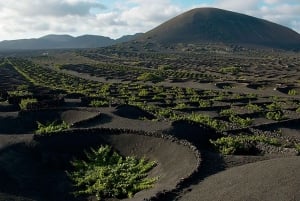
x=284, y=12
x=134, y=16
x=34, y=18
x=235, y=5
x=271, y=1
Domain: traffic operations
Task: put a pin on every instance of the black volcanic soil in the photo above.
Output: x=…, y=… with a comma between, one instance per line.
x=255, y=181
x=34, y=169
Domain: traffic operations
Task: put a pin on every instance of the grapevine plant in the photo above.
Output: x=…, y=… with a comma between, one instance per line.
x=106, y=174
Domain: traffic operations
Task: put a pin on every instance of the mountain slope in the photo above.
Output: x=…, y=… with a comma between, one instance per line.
x=216, y=25
x=62, y=41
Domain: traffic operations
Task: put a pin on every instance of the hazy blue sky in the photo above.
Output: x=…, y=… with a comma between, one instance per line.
x=114, y=18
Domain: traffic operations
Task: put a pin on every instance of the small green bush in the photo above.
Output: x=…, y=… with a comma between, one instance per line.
x=205, y=103
x=275, y=115
x=106, y=174
x=297, y=147
x=254, y=107
x=230, y=69
x=165, y=113
x=150, y=77
x=241, y=121
x=143, y=92
x=99, y=103
x=206, y=120
x=227, y=112
x=274, y=106
x=180, y=106
x=292, y=92
x=25, y=102
x=51, y=127
x=232, y=144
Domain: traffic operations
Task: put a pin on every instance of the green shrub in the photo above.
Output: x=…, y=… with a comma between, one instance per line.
x=99, y=103
x=180, y=106
x=292, y=92
x=275, y=115
x=158, y=97
x=194, y=98
x=233, y=144
x=165, y=113
x=251, y=95
x=150, y=77
x=143, y=92
x=230, y=69
x=25, y=102
x=241, y=121
x=274, y=106
x=107, y=174
x=297, y=147
x=51, y=127
x=205, y=103
x=227, y=112
x=206, y=120
x=254, y=107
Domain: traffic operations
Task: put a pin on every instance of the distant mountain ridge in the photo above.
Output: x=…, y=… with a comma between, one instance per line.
x=53, y=41
x=205, y=25
x=199, y=25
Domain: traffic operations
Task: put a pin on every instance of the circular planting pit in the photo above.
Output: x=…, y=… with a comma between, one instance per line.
x=225, y=85
x=132, y=112
x=37, y=170
x=26, y=121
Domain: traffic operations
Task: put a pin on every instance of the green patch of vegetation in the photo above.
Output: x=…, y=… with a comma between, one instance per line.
x=26, y=102
x=99, y=103
x=205, y=103
x=274, y=106
x=254, y=107
x=143, y=92
x=275, y=115
x=51, y=127
x=19, y=93
x=206, y=120
x=21, y=90
x=152, y=77
x=297, y=147
x=227, y=87
x=164, y=67
x=158, y=97
x=292, y=92
x=165, y=113
x=233, y=144
x=227, y=112
x=251, y=95
x=180, y=106
x=194, y=98
x=241, y=121
x=230, y=69
x=106, y=174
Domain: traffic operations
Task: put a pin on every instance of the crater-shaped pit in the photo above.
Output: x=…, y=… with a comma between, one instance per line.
x=39, y=167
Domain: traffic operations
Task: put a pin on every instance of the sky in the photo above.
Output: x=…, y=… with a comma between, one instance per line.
x=115, y=18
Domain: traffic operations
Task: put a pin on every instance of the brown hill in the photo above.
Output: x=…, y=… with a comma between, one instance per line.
x=220, y=26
